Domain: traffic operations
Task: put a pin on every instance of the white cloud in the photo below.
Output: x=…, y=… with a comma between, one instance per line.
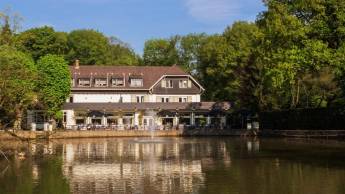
x=212, y=10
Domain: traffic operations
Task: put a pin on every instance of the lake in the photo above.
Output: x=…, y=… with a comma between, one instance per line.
x=174, y=165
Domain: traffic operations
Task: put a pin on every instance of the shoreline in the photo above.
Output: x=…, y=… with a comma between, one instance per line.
x=171, y=133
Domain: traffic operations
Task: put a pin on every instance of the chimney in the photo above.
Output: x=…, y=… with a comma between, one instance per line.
x=76, y=64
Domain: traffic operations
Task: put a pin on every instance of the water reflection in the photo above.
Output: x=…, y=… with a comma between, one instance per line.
x=133, y=166
x=174, y=165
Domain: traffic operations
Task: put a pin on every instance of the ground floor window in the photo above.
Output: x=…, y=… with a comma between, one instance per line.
x=80, y=121
x=112, y=121
x=185, y=120
x=96, y=121
x=168, y=121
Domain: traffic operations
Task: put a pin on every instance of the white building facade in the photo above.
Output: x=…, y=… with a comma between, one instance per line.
x=136, y=98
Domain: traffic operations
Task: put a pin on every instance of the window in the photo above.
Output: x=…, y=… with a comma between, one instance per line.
x=165, y=99
x=185, y=84
x=167, y=83
x=140, y=99
x=84, y=82
x=71, y=99
x=120, y=99
x=183, y=99
x=101, y=82
x=135, y=82
x=117, y=82
x=64, y=119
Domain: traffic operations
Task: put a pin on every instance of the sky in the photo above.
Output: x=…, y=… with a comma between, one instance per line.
x=134, y=21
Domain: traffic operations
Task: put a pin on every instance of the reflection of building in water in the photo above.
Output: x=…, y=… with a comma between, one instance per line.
x=113, y=167
x=253, y=145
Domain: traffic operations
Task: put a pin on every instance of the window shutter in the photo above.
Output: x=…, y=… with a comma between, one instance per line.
x=164, y=83
x=189, y=83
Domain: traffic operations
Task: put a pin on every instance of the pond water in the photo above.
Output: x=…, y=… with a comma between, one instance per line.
x=174, y=165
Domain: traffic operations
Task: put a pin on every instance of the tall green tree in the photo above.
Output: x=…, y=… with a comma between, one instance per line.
x=17, y=84
x=6, y=34
x=120, y=53
x=88, y=46
x=188, y=51
x=243, y=38
x=161, y=52
x=216, y=69
x=291, y=49
x=42, y=41
x=54, y=83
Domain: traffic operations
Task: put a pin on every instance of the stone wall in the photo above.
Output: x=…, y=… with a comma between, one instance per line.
x=89, y=134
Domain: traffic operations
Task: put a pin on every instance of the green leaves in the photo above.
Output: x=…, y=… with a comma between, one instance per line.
x=54, y=82
x=42, y=41
x=17, y=83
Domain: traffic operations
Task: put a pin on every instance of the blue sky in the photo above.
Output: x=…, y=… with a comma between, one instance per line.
x=135, y=21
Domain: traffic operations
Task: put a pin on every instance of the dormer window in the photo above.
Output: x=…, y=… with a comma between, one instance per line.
x=167, y=83
x=136, y=82
x=185, y=84
x=117, y=82
x=84, y=82
x=100, y=82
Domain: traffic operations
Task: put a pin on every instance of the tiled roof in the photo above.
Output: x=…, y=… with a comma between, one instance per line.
x=150, y=74
x=207, y=106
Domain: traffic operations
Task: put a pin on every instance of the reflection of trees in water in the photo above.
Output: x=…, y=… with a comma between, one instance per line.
x=172, y=166
x=38, y=173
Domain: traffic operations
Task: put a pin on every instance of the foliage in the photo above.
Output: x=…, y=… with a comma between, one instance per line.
x=159, y=52
x=42, y=41
x=54, y=82
x=88, y=46
x=17, y=83
x=120, y=53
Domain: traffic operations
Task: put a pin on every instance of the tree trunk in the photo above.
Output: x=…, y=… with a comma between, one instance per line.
x=298, y=91
x=18, y=122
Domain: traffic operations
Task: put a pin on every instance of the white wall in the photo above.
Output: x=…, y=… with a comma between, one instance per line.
x=70, y=120
x=83, y=98
x=195, y=98
x=105, y=98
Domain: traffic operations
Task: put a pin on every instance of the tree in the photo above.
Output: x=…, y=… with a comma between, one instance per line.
x=6, y=34
x=120, y=53
x=216, y=69
x=54, y=83
x=188, y=50
x=17, y=84
x=88, y=46
x=42, y=41
x=9, y=25
x=161, y=52
x=294, y=48
x=243, y=38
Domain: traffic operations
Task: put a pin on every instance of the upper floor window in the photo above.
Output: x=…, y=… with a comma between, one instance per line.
x=117, y=82
x=185, y=84
x=165, y=99
x=167, y=83
x=100, y=82
x=136, y=82
x=84, y=82
x=182, y=99
x=140, y=99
